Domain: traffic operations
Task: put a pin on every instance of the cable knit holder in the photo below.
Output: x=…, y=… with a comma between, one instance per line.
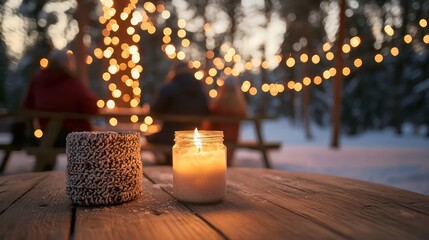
x=103, y=167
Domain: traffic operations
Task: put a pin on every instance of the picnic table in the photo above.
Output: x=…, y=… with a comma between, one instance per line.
x=46, y=152
x=260, y=204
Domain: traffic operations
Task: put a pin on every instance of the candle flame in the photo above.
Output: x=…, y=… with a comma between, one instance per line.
x=197, y=139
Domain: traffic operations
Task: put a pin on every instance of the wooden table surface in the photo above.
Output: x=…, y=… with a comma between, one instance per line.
x=260, y=204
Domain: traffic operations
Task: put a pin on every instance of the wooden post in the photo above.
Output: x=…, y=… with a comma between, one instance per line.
x=338, y=84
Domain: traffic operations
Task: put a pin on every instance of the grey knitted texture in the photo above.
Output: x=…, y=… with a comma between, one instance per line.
x=103, y=167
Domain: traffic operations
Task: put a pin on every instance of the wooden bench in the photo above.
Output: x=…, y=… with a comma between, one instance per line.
x=46, y=153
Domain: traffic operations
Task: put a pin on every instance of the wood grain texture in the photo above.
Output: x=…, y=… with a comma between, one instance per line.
x=354, y=209
x=312, y=206
x=153, y=215
x=13, y=187
x=42, y=213
x=260, y=204
x=246, y=214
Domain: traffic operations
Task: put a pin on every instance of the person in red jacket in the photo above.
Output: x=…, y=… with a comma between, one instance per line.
x=57, y=89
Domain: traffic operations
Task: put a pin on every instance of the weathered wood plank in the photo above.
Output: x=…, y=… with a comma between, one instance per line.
x=355, y=209
x=244, y=214
x=14, y=186
x=154, y=215
x=42, y=213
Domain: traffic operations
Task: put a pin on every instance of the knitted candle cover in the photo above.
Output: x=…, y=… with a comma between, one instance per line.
x=103, y=167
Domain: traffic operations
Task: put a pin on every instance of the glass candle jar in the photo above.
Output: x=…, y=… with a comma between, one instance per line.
x=199, y=166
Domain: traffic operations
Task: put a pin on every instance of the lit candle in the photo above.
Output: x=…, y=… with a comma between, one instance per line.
x=199, y=166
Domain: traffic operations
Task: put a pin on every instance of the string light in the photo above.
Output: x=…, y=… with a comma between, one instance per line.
x=44, y=63
x=290, y=62
x=408, y=38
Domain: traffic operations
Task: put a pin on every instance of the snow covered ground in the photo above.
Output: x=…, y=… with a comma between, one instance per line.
x=381, y=157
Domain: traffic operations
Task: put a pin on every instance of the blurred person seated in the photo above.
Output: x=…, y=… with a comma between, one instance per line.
x=230, y=101
x=182, y=94
x=57, y=89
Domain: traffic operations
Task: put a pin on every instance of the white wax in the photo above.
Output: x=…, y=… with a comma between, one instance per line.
x=199, y=176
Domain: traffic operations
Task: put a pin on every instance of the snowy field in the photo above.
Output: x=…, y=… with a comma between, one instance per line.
x=380, y=157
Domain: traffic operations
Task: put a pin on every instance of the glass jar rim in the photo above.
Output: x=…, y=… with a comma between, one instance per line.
x=203, y=133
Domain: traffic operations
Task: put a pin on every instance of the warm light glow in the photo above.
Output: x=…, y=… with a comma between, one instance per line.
x=245, y=86
x=181, y=23
x=209, y=54
x=186, y=42
x=326, y=47
x=303, y=58
x=181, y=33
x=248, y=66
x=423, y=23
x=98, y=53
x=346, y=48
x=116, y=93
x=389, y=30
x=166, y=39
x=143, y=127
x=196, y=64
x=326, y=74
x=212, y=72
x=317, y=80
x=265, y=64
x=332, y=72
x=112, y=87
x=181, y=55
x=148, y=120
x=106, y=76
x=134, y=102
x=100, y=103
x=253, y=91
x=43, y=63
x=265, y=87
x=197, y=139
x=346, y=71
x=378, y=58
x=150, y=7
x=426, y=39
x=134, y=118
x=357, y=62
x=131, y=30
x=290, y=85
x=88, y=59
x=209, y=80
x=290, y=62
x=110, y=104
x=113, y=69
x=213, y=93
x=113, y=121
x=315, y=59
x=306, y=81
x=167, y=31
x=394, y=51
x=199, y=75
x=408, y=38
x=170, y=49
x=38, y=133
x=355, y=41
x=297, y=87
x=220, y=82
x=165, y=14
x=329, y=56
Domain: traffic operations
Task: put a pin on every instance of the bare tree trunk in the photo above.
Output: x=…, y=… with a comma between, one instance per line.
x=305, y=107
x=124, y=37
x=399, y=69
x=81, y=53
x=338, y=81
